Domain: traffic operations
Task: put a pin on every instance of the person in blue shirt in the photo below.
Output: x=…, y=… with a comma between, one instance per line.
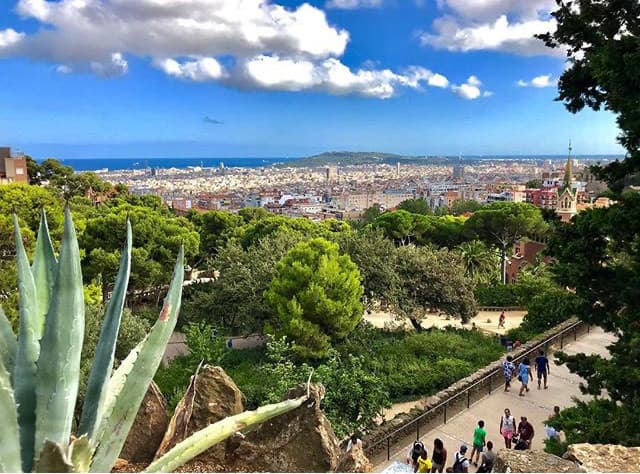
x=542, y=368
x=524, y=372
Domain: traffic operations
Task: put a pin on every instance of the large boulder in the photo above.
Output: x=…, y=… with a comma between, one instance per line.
x=354, y=461
x=301, y=440
x=148, y=428
x=210, y=397
x=604, y=457
x=508, y=460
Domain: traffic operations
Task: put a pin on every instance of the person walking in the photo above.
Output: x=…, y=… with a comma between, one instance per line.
x=542, y=368
x=524, y=372
x=354, y=441
x=479, y=435
x=460, y=462
x=488, y=459
x=507, y=427
x=424, y=463
x=438, y=456
x=508, y=368
x=501, y=320
x=525, y=434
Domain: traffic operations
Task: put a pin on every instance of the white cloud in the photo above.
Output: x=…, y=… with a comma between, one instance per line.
x=539, y=81
x=499, y=35
x=9, y=37
x=496, y=25
x=198, y=70
x=471, y=89
x=239, y=43
x=353, y=4
x=287, y=74
x=92, y=30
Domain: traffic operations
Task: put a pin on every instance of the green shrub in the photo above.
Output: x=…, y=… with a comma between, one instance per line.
x=496, y=295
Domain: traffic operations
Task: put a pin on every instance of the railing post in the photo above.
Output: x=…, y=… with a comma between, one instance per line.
x=575, y=334
x=468, y=398
x=490, y=384
x=561, y=340
x=445, y=413
x=418, y=430
x=588, y=328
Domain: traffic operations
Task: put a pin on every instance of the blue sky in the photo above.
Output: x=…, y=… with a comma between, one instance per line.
x=220, y=78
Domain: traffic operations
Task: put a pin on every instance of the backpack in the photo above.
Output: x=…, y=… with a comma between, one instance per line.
x=458, y=464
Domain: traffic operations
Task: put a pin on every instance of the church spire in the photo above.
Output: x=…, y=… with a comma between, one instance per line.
x=568, y=170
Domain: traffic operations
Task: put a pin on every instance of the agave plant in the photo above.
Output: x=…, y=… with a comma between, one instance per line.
x=39, y=370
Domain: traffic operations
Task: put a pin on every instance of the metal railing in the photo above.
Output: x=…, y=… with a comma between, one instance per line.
x=456, y=403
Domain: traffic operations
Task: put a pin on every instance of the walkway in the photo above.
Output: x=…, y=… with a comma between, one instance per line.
x=536, y=406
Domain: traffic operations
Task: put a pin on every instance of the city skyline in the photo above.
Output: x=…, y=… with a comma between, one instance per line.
x=269, y=79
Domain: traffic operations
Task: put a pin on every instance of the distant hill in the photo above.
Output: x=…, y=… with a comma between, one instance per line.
x=346, y=158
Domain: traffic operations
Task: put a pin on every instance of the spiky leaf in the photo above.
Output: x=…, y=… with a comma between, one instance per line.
x=44, y=270
x=80, y=454
x=202, y=440
x=9, y=433
x=139, y=369
x=8, y=343
x=24, y=373
x=106, y=348
x=59, y=362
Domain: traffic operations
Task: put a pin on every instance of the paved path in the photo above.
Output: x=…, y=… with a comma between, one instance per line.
x=537, y=405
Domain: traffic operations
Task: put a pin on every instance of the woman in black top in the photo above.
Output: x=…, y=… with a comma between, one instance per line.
x=439, y=456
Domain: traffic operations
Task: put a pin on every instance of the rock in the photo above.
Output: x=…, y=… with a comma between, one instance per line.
x=299, y=441
x=354, y=461
x=212, y=396
x=148, y=428
x=509, y=460
x=604, y=457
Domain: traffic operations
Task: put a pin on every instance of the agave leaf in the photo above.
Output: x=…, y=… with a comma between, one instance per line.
x=44, y=270
x=8, y=343
x=53, y=458
x=106, y=348
x=59, y=362
x=202, y=440
x=140, y=368
x=24, y=372
x=10, y=433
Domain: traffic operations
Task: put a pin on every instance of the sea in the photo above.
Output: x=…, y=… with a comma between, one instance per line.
x=89, y=164
x=111, y=164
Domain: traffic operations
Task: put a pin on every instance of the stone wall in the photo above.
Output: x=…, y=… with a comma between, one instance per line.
x=379, y=433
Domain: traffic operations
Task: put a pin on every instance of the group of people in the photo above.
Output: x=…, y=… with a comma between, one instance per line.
x=483, y=452
x=523, y=370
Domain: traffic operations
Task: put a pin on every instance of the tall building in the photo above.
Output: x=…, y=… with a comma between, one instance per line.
x=331, y=174
x=566, y=207
x=458, y=172
x=12, y=169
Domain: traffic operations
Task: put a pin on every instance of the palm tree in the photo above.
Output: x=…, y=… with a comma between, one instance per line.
x=480, y=262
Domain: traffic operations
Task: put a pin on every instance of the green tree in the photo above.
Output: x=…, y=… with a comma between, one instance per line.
x=534, y=183
x=157, y=238
x=415, y=206
x=602, y=39
x=214, y=228
x=433, y=280
x=598, y=254
x=316, y=295
x=398, y=226
x=376, y=258
x=370, y=215
x=459, y=207
x=480, y=262
x=503, y=223
x=234, y=301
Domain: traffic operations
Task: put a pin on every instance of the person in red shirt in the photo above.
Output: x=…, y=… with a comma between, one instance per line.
x=525, y=434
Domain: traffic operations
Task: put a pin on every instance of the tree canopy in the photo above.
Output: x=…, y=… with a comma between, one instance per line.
x=501, y=224
x=415, y=206
x=316, y=295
